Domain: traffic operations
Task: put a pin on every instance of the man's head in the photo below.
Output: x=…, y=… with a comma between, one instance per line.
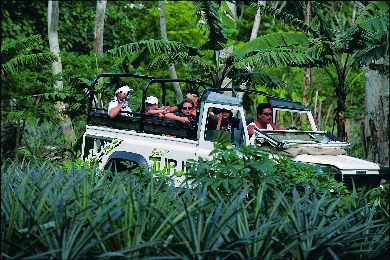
x=226, y=113
x=187, y=106
x=122, y=89
x=264, y=113
x=192, y=94
x=151, y=103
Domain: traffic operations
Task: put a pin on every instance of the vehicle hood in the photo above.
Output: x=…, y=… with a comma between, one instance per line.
x=343, y=162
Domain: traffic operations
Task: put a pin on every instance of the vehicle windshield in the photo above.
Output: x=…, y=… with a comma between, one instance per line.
x=296, y=138
x=300, y=136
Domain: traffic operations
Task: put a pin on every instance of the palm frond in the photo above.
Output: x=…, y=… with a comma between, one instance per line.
x=10, y=50
x=271, y=41
x=213, y=22
x=288, y=18
x=280, y=57
x=155, y=47
x=374, y=53
x=259, y=79
x=372, y=9
x=16, y=64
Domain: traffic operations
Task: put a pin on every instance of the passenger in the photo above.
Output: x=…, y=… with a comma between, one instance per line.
x=264, y=116
x=119, y=103
x=226, y=121
x=191, y=94
x=185, y=116
x=153, y=109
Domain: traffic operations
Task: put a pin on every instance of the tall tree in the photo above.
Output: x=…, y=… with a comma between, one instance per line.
x=256, y=23
x=164, y=36
x=341, y=52
x=99, y=26
x=375, y=19
x=14, y=58
x=52, y=15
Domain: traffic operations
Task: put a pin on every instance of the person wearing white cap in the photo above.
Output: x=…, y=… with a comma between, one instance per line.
x=119, y=103
x=152, y=107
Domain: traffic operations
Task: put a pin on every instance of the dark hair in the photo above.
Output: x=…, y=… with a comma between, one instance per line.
x=187, y=100
x=263, y=106
x=219, y=110
x=192, y=91
x=121, y=84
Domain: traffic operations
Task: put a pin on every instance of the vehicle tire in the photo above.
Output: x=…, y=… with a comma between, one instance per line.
x=118, y=168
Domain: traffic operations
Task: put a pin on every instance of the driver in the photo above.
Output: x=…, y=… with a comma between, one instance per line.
x=264, y=117
x=119, y=103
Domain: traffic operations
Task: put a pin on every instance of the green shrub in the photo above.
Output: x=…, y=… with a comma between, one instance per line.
x=76, y=212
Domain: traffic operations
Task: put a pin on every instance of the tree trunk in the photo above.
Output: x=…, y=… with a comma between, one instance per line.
x=256, y=23
x=307, y=77
x=376, y=123
x=164, y=36
x=99, y=26
x=227, y=51
x=52, y=15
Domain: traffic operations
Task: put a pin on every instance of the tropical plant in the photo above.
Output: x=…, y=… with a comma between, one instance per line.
x=75, y=212
x=208, y=65
x=365, y=42
x=14, y=57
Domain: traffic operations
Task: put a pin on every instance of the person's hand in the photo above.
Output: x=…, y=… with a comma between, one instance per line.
x=219, y=116
x=165, y=111
x=160, y=115
x=184, y=120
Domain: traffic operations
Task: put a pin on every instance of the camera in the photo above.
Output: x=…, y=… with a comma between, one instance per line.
x=127, y=97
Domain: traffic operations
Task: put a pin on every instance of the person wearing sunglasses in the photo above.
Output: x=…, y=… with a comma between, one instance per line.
x=191, y=94
x=264, y=118
x=119, y=103
x=185, y=115
x=226, y=121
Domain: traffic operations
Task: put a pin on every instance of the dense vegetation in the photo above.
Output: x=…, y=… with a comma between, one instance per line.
x=231, y=209
x=254, y=208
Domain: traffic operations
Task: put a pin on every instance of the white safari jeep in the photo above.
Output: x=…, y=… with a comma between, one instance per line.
x=166, y=145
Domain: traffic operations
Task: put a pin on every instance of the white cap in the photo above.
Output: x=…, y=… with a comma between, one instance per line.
x=123, y=89
x=151, y=100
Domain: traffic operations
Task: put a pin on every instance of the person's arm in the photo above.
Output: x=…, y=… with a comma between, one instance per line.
x=276, y=127
x=115, y=110
x=219, y=116
x=171, y=109
x=175, y=117
x=158, y=111
x=250, y=129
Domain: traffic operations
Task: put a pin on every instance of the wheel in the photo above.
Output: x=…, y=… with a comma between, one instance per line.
x=122, y=167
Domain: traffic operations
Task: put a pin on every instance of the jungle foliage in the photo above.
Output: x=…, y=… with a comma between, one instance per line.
x=78, y=212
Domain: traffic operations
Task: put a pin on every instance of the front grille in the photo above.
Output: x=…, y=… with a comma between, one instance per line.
x=361, y=180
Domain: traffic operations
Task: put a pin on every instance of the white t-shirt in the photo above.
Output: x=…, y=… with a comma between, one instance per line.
x=115, y=102
x=269, y=127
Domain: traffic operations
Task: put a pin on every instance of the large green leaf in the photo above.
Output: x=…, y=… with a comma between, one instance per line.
x=155, y=47
x=279, y=57
x=271, y=41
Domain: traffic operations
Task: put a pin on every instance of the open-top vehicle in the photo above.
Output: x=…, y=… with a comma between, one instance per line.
x=166, y=145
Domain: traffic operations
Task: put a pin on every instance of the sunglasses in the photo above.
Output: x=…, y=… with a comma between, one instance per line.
x=267, y=114
x=186, y=108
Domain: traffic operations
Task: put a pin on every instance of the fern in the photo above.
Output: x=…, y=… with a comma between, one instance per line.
x=288, y=18
x=271, y=41
x=209, y=10
x=14, y=58
x=258, y=78
x=281, y=57
x=155, y=47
